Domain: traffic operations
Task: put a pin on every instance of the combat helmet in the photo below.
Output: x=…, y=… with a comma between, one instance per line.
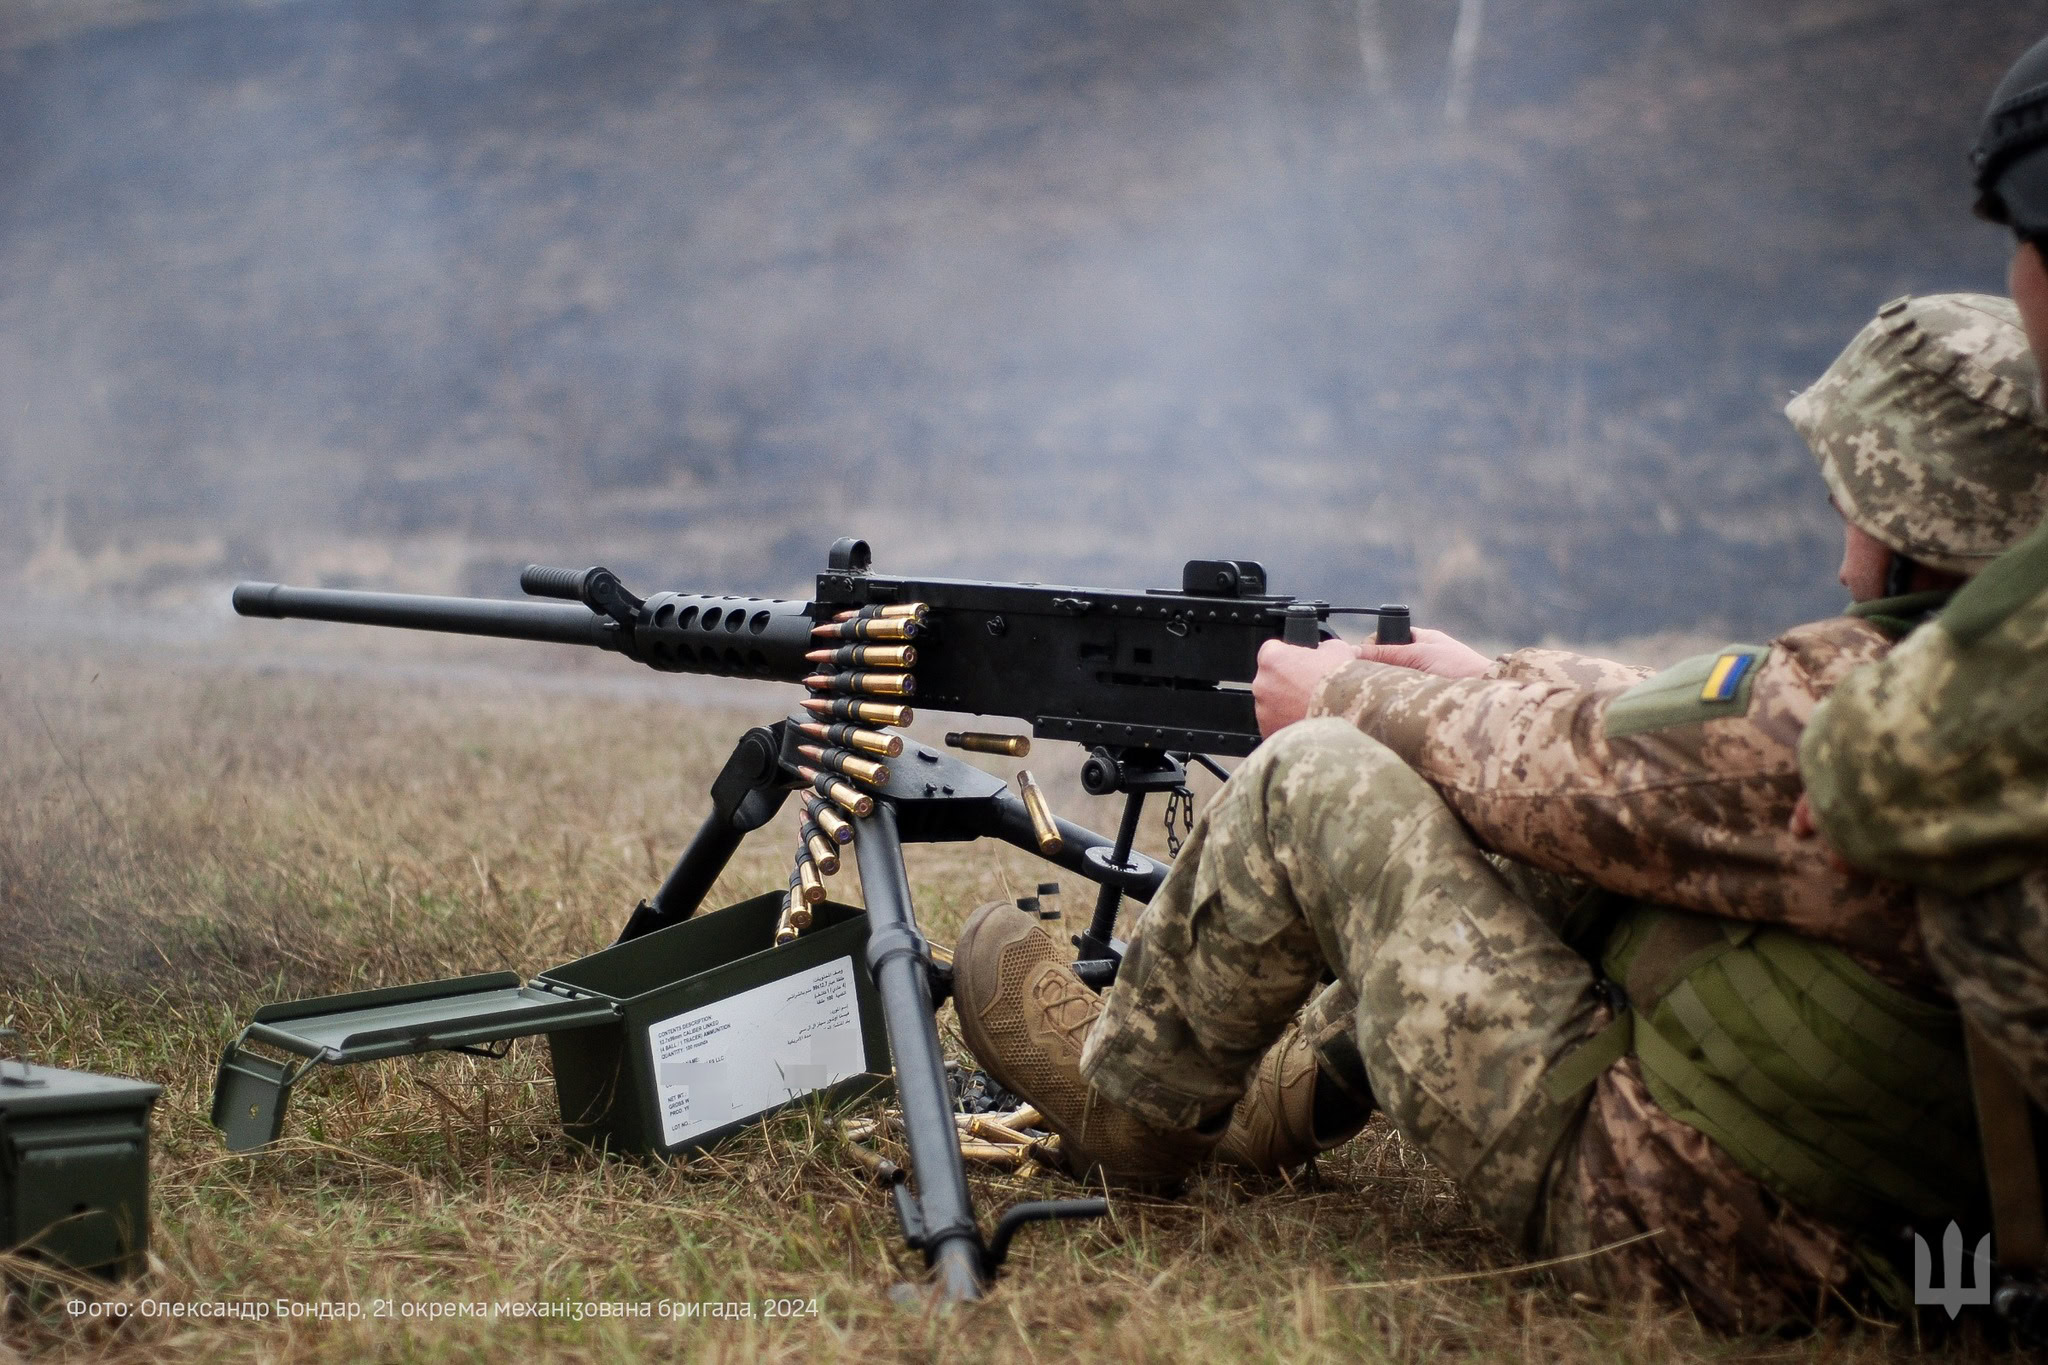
x=2011, y=157
x=1930, y=432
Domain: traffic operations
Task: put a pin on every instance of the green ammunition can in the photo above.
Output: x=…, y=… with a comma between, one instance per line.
x=74, y=1167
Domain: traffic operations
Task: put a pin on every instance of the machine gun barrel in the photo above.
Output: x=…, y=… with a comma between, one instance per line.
x=725, y=635
x=505, y=620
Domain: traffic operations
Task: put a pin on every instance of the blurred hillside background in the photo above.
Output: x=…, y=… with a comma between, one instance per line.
x=1492, y=307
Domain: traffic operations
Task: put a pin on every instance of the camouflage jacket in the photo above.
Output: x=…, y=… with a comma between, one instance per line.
x=1932, y=766
x=1643, y=787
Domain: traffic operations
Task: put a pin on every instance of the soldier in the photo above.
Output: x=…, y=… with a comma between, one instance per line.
x=1761, y=1071
x=1932, y=767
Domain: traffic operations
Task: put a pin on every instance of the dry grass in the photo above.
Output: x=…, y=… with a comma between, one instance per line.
x=182, y=840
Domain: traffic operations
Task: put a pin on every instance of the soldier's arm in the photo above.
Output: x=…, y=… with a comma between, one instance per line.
x=1667, y=789
x=1931, y=766
x=1566, y=668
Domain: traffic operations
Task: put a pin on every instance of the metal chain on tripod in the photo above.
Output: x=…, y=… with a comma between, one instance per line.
x=1180, y=819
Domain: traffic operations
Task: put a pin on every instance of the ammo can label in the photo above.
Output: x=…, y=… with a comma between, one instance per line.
x=756, y=1051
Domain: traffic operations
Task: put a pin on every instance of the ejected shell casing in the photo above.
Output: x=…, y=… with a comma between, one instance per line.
x=993, y=1130
x=875, y=684
x=853, y=765
x=866, y=656
x=853, y=737
x=836, y=827
x=809, y=884
x=1015, y=746
x=914, y=611
x=823, y=851
x=867, y=712
x=1042, y=826
x=847, y=797
x=885, y=628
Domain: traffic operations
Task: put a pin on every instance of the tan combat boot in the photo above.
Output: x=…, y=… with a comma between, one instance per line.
x=1025, y=1016
x=1273, y=1128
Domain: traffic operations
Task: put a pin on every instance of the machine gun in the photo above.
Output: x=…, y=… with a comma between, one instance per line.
x=1150, y=681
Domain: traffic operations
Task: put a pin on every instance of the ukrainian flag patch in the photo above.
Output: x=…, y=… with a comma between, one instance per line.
x=1724, y=679
x=1704, y=687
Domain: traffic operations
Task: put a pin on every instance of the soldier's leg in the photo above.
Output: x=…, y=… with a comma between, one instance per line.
x=1326, y=848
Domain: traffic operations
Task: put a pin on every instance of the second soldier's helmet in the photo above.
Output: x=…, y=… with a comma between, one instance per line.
x=2011, y=156
x=1929, y=430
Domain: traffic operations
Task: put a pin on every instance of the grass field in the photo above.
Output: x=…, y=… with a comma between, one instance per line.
x=183, y=839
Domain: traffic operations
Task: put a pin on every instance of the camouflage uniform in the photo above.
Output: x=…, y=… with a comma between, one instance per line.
x=1371, y=840
x=1366, y=853
x=1933, y=767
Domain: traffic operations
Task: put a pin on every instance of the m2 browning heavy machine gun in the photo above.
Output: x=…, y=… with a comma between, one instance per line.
x=1149, y=681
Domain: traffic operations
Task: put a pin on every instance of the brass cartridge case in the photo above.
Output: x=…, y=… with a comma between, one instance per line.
x=915, y=611
x=866, y=656
x=836, y=827
x=1042, y=826
x=847, y=797
x=872, y=683
x=822, y=850
x=888, y=629
x=853, y=737
x=1015, y=746
x=866, y=712
x=853, y=765
x=810, y=886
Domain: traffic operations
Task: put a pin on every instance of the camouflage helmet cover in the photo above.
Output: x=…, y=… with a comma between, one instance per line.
x=1930, y=432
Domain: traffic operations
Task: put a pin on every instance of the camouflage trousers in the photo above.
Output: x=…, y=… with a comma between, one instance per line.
x=1991, y=949
x=1326, y=851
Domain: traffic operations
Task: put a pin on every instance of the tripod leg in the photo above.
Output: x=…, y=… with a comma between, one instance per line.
x=897, y=956
x=744, y=797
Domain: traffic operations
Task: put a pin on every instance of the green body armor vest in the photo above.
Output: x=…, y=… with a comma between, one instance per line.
x=1842, y=1095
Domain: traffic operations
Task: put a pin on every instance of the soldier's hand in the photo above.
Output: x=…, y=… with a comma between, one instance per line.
x=1803, y=827
x=1287, y=678
x=1433, y=652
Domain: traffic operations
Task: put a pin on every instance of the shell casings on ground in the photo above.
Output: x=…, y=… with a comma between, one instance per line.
x=914, y=611
x=1042, y=826
x=846, y=796
x=853, y=737
x=823, y=851
x=835, y=826
x=866, y=656
x=885, y=629
x=872, y=683
x=855, y=709
x=852, y=764
x=1015, y=746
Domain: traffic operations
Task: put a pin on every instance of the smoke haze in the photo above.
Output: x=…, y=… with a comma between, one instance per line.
x=407, y=295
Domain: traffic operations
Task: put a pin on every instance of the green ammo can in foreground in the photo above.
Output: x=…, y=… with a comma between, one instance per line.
x=74, y=1167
